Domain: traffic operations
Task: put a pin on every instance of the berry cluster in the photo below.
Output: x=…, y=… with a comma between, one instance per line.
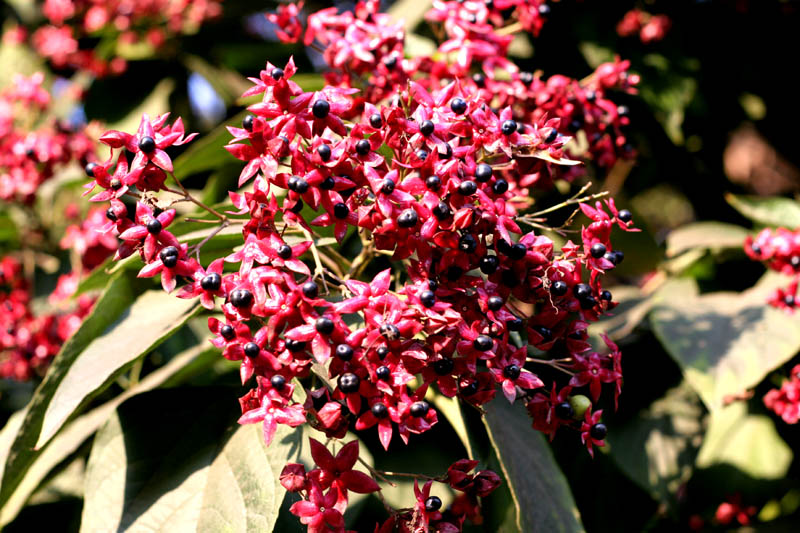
x=650, y=28
x=780, y=250
x=127, y=22
x=785, y=402
x=431, y=174
x=33, y=144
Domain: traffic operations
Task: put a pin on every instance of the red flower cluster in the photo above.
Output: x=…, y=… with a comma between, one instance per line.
x=785, y=402
x=30, y=155
x=780, y=250
x=130, y=22
x=27, y=342
x=429, y=166
x=650, y=28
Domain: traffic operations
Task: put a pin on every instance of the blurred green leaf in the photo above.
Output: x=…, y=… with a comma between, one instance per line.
x=540, y=490
x=724, y=342
x=714, y=236
x=198, y=475
x=208, y=152
x=771, y=211
x=671, y=432
x=747, y=442
x=412, y=12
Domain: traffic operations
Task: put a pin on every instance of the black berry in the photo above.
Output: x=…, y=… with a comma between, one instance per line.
x=512, y=372
x=348, y=383
x=147, y=144
x=321, y=108
x=508, y=127
x=408, y=218
x=344, y=352
x=324, y=152
x=375, y=121
x=285, y=251
x=154, y=226
x=379, y=410
x=247, y=122
x=251, y=350
x=310, y=289
x=443, y=366
x=458, y=105
x=324, y=325
x=341, y=211
x=558, y=288
x=625, y=215
x=278, y=382
x=433, y=504
x=489, y=264
x=426, y=128
x=383, y=373
x=241, y=298
x=467, y=188
x=363, y=147
x=483, y=343
x=420, y=408
x=495, y=303
x=598, y=431
x=598, y=250
x=483, y=173
x=428, y=298
x=211, y=282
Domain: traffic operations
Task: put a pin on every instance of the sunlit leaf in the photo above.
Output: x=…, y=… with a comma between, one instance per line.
x=773, y=211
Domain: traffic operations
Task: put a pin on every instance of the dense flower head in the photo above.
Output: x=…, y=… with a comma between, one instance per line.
x=649, y=28
x=785, y=401
x=431, y=164
x=780, y=250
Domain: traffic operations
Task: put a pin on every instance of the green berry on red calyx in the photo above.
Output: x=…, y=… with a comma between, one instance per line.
x=582, y=290
x=324, y=325
x=443, y=366
x=169, y=256
x=147, y=144
x=433, y=504
x=467, y=243
x=363, y=147
x=598, y=431
x=111, y=215
x=433, y=183
x=154, y=226
x=558, y=288
x=348, y=383
x=227, y=332
x=247, y=122
x=324, y=152
x=341, y=211
x=598, y=250
x=428, y=298
x=422, y=155
x=467, y=188
x=427, y=128
x=379, y=410
x=295, y=346
x=483, y=343
x=387, y=187
x=500, y=187
x=327, y=184
x=408, y=218
x=495, y=303
x=241, y=298
x=564, y=411
x=508, y=127
x=344, y=352
x=277, y=73
x=382, y=352
x=512, y=372
x=580, y=404
x=518, y=251
x=383, y=373
x=90, y=168
x=552, y=135
x=389, y=332
x=458, y=106
x=310, y=289
x=278, y=382
x=442, y=211
x=211, y=282
x=285, y=251
x=606, y=295
x=321, y=108
x=625, y=215
x=483, y=173
x=515, y=324
x=489, y=264
x=298, y=185
x=375, y=120
x=251, y=350
x=420, y=409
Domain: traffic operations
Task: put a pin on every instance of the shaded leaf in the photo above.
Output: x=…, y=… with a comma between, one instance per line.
x=714, y=236
x=198, y=475
x=540, y=490
x=207, y=153
x=671, y=432
x=773, y=211
x=747, y=442
x=156, y=103
x=724, y=342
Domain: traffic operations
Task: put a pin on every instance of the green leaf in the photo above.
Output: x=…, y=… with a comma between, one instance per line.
x=117, y=297
x=152, y=317
x=670, y=431
x=540, y=490
x=773, y=211
x=412, y=12
x=77, y=431
x=747, y=442
x=724, y=342
x=196, y=476
x=208, y=152
x=714, y=236
x=156, y=103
